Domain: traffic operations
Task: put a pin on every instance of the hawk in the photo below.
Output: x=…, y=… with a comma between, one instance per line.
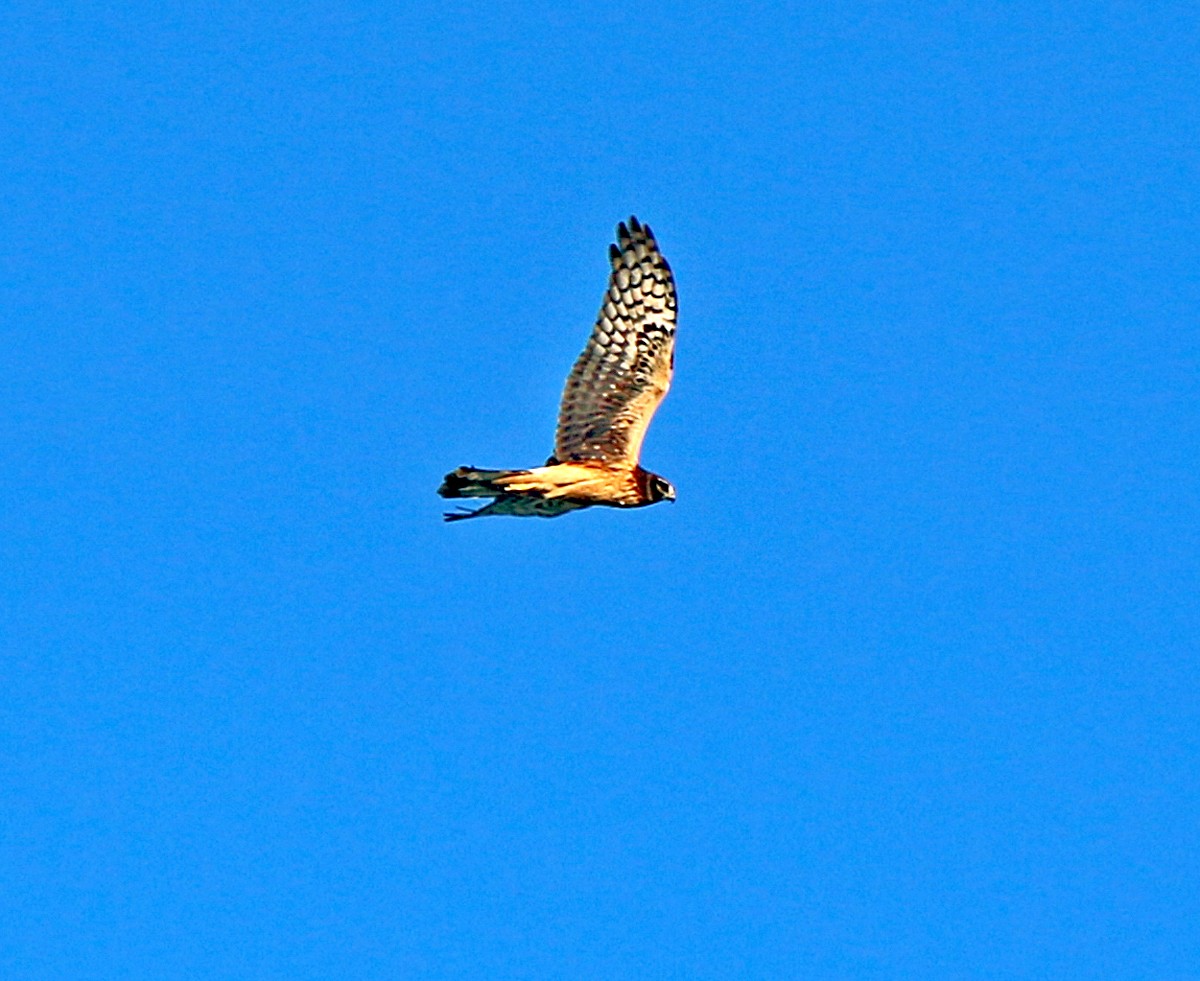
x=610, y=397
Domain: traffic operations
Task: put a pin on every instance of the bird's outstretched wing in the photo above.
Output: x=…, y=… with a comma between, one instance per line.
x=625, y=370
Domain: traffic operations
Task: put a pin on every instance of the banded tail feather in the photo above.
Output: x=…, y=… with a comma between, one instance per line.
x=470, y=482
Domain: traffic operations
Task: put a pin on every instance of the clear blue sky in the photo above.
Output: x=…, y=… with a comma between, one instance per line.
x=903, y=686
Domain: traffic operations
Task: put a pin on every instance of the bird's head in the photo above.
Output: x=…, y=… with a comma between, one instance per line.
x=660, y=489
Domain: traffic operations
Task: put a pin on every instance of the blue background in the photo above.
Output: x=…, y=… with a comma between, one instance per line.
x=904, y=685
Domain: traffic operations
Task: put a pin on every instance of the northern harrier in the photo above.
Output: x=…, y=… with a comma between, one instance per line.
x=609, y=400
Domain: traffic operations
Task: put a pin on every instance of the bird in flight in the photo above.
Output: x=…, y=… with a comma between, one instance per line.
x=610, y=397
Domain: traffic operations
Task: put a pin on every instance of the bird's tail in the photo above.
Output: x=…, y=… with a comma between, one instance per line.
x=469, y=482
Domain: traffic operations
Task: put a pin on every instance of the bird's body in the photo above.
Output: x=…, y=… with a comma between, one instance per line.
x=551, y=490
x=610, y=397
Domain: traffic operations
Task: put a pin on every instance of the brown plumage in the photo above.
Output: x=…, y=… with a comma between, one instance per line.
x=610, y=397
